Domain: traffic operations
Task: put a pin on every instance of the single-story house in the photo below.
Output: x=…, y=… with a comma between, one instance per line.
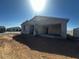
x=43, y=25
x=76, y=32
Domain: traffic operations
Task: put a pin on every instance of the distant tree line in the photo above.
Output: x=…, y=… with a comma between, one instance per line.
x=11, y=29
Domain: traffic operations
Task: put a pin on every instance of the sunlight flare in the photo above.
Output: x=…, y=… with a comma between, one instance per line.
x=38, y=5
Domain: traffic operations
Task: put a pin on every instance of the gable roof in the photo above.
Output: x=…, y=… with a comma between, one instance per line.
x=46, y=20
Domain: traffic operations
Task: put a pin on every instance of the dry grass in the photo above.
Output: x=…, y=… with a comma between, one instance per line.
x=11, y=49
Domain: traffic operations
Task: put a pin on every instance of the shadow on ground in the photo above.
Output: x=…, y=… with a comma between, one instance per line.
x=50, y=45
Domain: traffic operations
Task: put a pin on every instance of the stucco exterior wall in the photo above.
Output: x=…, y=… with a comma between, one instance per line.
x=39, y=29
x=64, y=30
x=54, y=29
x=27, y=29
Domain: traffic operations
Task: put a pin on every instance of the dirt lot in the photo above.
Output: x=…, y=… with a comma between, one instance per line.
x=16, y=46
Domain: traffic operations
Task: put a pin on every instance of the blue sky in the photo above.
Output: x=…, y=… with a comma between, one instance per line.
x=14, y=12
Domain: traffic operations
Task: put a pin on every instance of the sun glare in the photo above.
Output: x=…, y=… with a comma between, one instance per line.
x=38, y=5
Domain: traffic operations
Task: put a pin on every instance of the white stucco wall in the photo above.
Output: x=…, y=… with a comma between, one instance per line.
x=27, y=29
x=64, y=30
x=40, y=29
x=54, y=29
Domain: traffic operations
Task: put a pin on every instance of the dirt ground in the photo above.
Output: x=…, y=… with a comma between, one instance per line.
x=17, y=46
